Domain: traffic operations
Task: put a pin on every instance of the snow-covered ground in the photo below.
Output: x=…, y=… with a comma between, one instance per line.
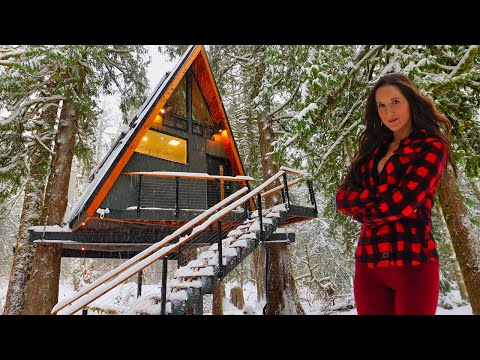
x=127, y=293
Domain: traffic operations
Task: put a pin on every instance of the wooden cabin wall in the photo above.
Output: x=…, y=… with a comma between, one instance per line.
x=123, y=193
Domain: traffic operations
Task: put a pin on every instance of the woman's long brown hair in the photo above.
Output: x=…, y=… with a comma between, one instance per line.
x=424, y=116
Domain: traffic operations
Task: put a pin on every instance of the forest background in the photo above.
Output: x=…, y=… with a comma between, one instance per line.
x=302, y=103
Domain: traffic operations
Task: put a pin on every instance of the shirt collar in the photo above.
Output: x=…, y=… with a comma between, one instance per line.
x=415, y=134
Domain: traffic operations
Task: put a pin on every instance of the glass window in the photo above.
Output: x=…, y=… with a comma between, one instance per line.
x=200, y=112
x=177, y=103
x=163, y=146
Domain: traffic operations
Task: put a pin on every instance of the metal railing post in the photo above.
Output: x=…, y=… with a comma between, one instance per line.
x=139, y=193
x=260, y=218
x=312, y=195
x=285, y=187
x=164, y=285
x=177, y=190
x=139, y=283
x=220, y=255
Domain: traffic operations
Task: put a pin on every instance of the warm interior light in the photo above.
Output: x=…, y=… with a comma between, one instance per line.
x=224, y=132
x=83, y=224
x=162, y=111
x=144, y=138
x=83, y=249
x=163, y=146
x=158, y=119
x=220, y=130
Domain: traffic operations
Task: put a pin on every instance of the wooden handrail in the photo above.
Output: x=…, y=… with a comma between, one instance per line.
x=155, y=247
x=158, y=250
x=102, y=287
x=293, y=171
x=197, y=176
x=280, y=187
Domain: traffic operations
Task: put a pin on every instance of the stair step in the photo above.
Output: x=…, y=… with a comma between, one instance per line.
x=192, y=281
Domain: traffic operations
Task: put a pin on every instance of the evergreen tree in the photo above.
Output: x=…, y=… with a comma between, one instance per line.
x=75, y=76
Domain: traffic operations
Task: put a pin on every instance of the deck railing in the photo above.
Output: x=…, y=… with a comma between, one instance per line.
x=173, y=242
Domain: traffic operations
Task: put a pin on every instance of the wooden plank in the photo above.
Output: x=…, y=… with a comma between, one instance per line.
x=196, y=176
x=280, y=187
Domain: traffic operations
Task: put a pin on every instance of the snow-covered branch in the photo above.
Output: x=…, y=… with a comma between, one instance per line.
x=27, y=104
x=41, y=143
x=280, y=107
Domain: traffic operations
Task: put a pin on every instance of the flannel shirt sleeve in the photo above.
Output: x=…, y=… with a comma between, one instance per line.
x=387, y=202
x=353, y=200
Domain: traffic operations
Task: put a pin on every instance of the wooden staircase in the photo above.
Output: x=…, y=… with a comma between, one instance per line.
x=185, y=291
x=191, y=282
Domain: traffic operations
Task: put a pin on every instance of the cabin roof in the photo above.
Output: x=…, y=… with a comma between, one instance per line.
x=107, y=171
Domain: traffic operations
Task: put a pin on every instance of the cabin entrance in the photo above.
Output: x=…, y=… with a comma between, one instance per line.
x=217, y=190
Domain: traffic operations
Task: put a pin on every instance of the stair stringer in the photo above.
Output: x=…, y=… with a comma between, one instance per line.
x=190, y=283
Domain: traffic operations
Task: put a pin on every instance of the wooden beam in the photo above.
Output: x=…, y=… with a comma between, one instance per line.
x=197, y=176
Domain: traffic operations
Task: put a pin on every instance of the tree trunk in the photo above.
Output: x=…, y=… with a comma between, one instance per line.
x=282, y=293
x=46, y=275
x=258, y=260
x=282, y=297
x=57, y=188
x=462, y=237
x=457, y=272
x=42, y=291
x=236, y=297
x=218, y=295
x=31, y=210
x=24, y=249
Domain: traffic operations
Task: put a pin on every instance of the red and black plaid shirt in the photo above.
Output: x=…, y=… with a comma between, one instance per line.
x=395, y=206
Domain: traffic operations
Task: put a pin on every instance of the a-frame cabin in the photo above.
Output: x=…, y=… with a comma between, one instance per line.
x=177, y=159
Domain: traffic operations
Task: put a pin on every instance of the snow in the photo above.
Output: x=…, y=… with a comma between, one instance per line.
x=146, y=257
x=50, y=228
x=125, y=294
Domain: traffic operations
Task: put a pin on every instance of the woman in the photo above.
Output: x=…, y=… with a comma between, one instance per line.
x=390, y=188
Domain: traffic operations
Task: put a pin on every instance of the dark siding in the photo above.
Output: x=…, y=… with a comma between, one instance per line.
x=158, y=192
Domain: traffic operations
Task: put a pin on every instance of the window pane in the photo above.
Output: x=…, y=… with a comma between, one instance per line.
x=177, y=103
x=163, y=146
x=200, y=111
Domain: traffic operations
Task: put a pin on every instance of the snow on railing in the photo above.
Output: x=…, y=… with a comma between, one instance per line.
x=159, y=250
x=155, y=247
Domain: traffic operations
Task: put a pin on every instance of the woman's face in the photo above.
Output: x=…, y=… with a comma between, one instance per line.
x=393, y=109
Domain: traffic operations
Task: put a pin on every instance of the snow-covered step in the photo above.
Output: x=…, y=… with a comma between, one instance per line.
x=197, y=278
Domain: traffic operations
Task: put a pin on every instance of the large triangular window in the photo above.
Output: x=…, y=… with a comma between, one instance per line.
x=177, y=103
x=200, y=111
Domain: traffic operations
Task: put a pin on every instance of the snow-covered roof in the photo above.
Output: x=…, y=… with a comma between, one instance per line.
x=99, y=174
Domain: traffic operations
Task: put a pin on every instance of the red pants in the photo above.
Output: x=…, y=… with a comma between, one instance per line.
x=396, y=290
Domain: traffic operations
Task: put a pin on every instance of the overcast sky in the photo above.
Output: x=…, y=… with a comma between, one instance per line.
x=157, y=67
